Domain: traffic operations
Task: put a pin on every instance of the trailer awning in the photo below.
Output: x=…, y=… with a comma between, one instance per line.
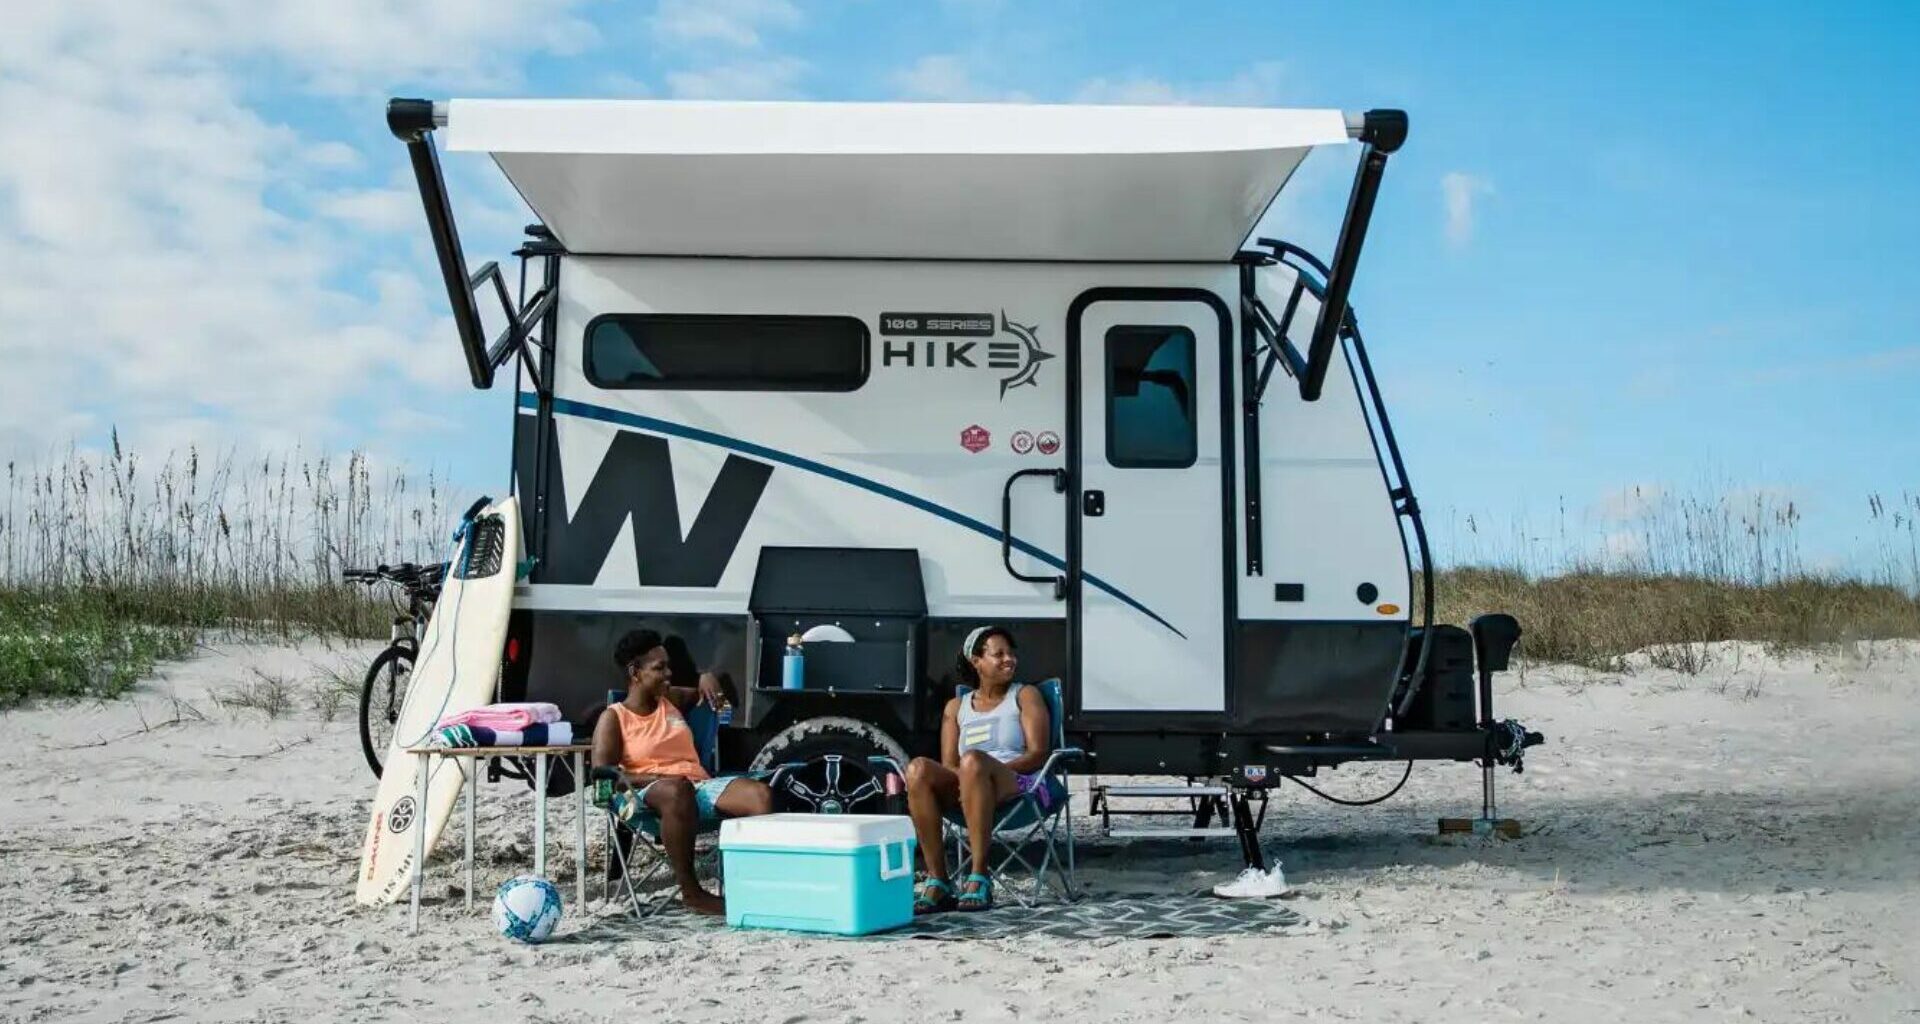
x=916, y=181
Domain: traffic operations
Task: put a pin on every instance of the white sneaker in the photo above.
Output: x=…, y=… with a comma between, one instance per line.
x=1253, y=883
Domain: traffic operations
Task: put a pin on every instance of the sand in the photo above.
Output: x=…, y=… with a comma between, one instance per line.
x=1737, y=845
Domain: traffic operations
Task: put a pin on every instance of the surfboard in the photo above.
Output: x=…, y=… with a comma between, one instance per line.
x=459, y=663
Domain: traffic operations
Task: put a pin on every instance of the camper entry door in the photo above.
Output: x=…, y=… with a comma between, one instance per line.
x=1151, y=600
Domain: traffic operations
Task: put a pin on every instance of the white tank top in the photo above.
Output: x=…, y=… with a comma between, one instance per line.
x=997, y=732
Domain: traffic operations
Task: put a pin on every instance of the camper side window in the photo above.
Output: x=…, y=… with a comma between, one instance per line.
x=1150, y=392
x=688, y=352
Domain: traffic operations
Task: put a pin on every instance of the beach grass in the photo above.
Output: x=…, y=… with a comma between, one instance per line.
x=1669, y=573
x=1596, y=618
x=79, y=645
x=111, y=562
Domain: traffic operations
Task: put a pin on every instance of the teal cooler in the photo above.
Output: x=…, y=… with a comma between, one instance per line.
x=849, y=874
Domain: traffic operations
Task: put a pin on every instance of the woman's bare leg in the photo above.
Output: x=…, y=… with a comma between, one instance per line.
x=672, y=802
x=744, y=798
x=932, y=788
x=984, y=784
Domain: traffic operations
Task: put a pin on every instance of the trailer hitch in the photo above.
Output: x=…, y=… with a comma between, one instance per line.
x=1508, y=741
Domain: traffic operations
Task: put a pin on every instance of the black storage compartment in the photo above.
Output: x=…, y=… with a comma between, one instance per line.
x=1445, y=700
x=875, y=594
x=871, y=664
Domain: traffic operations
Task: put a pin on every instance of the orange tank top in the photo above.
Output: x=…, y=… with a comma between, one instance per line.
x=657, y=744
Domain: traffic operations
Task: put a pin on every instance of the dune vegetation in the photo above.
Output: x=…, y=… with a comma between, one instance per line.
x=110, y=562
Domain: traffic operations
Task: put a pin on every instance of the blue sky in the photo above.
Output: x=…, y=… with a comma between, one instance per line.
x=1666, y=246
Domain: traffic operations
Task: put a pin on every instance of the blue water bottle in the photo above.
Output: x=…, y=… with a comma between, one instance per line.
x=793, y=667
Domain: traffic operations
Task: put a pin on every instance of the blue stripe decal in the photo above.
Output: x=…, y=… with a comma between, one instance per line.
x=582, y=410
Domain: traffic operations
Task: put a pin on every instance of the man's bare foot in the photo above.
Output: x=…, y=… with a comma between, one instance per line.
x=701, y=901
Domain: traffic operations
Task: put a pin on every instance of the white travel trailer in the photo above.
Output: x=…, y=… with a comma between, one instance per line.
x=909, y=369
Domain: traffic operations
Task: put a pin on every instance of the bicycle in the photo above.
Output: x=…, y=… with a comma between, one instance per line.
x=384, y=692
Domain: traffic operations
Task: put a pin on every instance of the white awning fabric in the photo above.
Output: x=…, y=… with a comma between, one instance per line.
x=893, y=180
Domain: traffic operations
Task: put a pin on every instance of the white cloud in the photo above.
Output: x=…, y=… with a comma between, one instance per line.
x=1130, y=92
x=737, y=23
x=948, y=77
x=940, y=76
x=384, y=210
x=332, y=155
x=620, y=85
x=339, y=47
x=1622, y=548
x=159, y=266
x=406, y=421
x=770, y=78
x=953, y=77
x=1260, y=84
x=1460, y=191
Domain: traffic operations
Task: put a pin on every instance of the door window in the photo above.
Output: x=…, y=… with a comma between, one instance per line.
x=1150, y=397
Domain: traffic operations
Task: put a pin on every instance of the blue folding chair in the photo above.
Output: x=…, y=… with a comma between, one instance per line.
x=1026, y=835
x=639, y=832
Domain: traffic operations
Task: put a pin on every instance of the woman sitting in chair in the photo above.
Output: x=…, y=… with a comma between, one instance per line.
x=993, y=743
x=647, y=738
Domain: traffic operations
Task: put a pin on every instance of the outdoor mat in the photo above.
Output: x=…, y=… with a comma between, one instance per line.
x=1099, y=917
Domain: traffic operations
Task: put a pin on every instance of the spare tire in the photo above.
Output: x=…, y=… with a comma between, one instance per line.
x=831, y=774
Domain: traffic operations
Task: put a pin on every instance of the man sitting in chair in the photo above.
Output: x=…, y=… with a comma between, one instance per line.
x=993, y=743
x=647, y=738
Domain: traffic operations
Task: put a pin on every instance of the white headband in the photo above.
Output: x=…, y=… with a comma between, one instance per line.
x=966, y=648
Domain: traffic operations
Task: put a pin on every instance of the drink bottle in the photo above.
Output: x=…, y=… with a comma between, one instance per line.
x=793, y=667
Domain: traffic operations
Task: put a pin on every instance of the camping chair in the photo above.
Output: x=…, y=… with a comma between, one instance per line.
x=1026, y=836
x=638, y=839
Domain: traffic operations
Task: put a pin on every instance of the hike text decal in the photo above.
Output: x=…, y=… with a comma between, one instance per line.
x=938, y=341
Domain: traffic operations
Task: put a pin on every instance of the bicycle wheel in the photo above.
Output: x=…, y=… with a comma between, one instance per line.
x=381, y=697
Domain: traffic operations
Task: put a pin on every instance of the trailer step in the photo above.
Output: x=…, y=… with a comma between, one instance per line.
x=1211, y=811
x=1171, y=833
x=1146, y=791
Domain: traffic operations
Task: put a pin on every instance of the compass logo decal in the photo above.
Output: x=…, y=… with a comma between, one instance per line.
x=1022, y=356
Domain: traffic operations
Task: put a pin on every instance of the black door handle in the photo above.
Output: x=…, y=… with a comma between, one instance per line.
x=1094, y=503
x=1059, y=478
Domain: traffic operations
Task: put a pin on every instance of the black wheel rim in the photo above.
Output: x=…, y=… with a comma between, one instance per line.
x=832, y=784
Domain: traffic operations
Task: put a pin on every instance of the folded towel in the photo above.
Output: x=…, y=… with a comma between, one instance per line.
x=505, y=716
x=540, y=734
x=452, y=736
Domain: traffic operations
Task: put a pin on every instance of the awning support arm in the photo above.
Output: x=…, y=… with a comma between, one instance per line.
x=412, y=121
x=1382, y=131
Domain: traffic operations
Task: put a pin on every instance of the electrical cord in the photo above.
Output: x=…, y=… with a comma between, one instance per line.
x=1404, y=776
x=462, y=553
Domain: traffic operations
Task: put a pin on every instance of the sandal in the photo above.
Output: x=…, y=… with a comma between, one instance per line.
x=979, y=898
x=935, y=896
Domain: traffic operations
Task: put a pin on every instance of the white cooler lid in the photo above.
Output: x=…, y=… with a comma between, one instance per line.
x=815, y=831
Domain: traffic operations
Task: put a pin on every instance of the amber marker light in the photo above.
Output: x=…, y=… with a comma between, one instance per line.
x=1388, y=609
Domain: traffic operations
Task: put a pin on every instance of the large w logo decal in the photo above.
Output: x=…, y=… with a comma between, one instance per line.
x=635, y=481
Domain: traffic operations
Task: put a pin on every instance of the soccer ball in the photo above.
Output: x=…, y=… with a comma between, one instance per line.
x=526, y=909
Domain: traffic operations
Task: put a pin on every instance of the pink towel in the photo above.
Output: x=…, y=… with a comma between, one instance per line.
x=504, y=716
